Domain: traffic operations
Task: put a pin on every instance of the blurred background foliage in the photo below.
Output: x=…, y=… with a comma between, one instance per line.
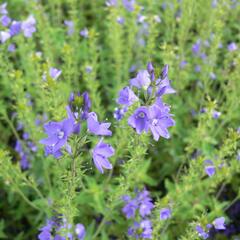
x=173, y=170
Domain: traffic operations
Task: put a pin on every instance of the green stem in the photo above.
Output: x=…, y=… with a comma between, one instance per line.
x=27, y=200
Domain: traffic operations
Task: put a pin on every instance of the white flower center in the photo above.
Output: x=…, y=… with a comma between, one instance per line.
x=60, y=134
x=154, y=122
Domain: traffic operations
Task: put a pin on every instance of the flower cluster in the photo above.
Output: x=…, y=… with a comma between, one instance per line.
x=143, y=203
x=25, y=147
x=55, y=228
x=152, y=114
x=13, y=27
x=218, y=224
x=78, y=111
x=127, y=4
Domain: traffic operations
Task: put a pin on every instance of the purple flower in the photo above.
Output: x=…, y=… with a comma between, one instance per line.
x=111, y=3
x=119, y=113
x=75, y=120
x=210, y=170
x=196, y=47
x=201, y=232
x=164, y=87
x=130, y=208
x=238, y=155
x=97, y=128
x=45, y=235
x=165, y=213
x=232, y=47
x=146, y=227
x=4, y=36
x=141, y=18
x=70, y=26
x=159, y=121
x=197, y=68
x=214, y=3
x=80, y=231
x=127, y=97
x=58, y=134
x=15, y=28
x=145, y=203
x=139, y=120
x=183, y=64
x=129, y=5
x=5, y=20
x=88, y=69
x=142, y=80
x=86, y=105
x=23, y=153
x=46, y=231
x=54, y=73
x=157, y=19
x=150, y=68
x=216, y=114
x=84, y=33
x=121, y=20
x=101, y=153
x=3, y=9
x=141, y=230
x=28, y=26
x=219, y=223
x=212, y=75
x=12, y=47
x=84, y=108
x=163, y=83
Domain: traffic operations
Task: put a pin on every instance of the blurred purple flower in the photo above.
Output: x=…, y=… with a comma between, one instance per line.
x=84, y=33
x=97, y=128
x=70, y=26
x=58, y=134
x=145, y=203
x=121, y=20
x=139, y=120
x=130, y=208
x=219, y=223
x=159, y=121
x=101, y=153
x=142, y=230
x=214, y=3
x=201, y=232
x=4, y=36
x=197, y=68
x=216, y=114
x=5, y=20
x=111, y=3
x=88, y=69
x=210, y=170
x=80, y=231
x=119, y=113
x=129, y=5
x=142, y=80
x=15, y=28
x=232, y=47
x=127, y=97
x=212, y=75
x=165, y=213
x=12, y=47
x=183, y=64
x=28, y=26
x=3, y=9
x=196, y=47
x=54, y=73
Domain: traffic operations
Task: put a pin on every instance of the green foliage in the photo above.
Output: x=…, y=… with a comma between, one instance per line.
x=172, y=170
